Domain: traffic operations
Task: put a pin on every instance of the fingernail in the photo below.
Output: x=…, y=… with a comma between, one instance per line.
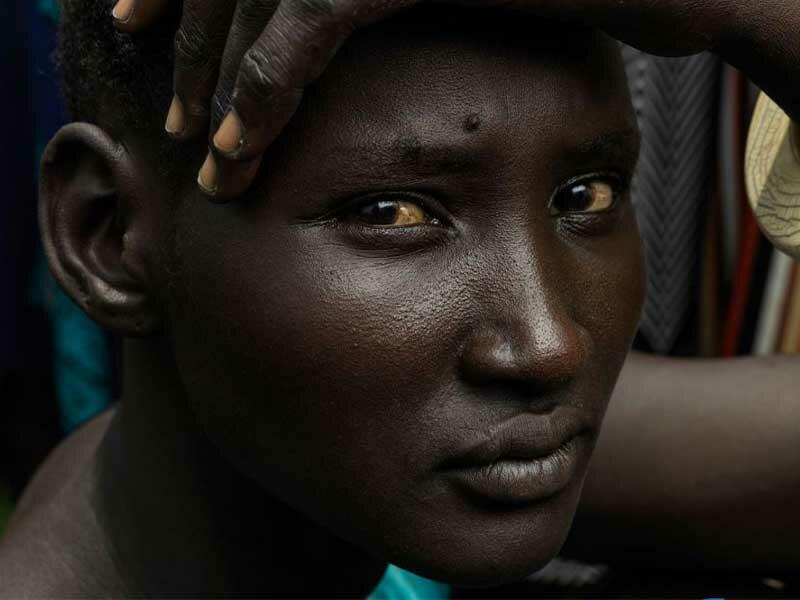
x=228, y=138
x=123, y=10
x=207, y=178
x=176, y=118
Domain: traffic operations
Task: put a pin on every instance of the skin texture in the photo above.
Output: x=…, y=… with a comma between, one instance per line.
x=446, y=331
x=757, y=36
x=301, y=380
x=251, y=61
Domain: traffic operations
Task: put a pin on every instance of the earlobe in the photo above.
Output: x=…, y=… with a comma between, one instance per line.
x=88, y=219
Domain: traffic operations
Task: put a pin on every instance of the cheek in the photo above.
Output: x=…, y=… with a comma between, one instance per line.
x=329, y=375
x=313, y=367
x=610, y=289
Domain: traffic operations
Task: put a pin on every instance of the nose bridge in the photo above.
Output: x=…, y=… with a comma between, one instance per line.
x=527, y=331
x=540, y=321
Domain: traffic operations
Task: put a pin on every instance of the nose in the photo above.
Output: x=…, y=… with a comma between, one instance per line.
x=529, y=342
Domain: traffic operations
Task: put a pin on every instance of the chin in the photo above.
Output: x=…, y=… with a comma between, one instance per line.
x=493, y=546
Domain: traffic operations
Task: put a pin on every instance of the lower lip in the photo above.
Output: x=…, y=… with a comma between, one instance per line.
x=521, y=481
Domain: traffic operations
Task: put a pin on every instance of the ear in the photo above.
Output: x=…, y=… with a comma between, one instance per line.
x=95, y=231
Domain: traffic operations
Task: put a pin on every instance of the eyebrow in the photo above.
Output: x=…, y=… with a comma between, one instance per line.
x=621, y=147
x=412, y=153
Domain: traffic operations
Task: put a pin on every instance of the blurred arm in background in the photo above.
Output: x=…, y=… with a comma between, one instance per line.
x=697, y=468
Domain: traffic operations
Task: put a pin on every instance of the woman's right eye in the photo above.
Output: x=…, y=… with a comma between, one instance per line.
x=391, y=213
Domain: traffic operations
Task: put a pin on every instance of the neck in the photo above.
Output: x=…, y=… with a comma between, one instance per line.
x=182, y=521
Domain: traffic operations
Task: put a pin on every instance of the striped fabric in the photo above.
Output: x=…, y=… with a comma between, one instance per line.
x=676, y=103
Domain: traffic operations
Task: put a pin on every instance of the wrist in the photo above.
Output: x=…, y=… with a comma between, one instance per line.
x=761, y=39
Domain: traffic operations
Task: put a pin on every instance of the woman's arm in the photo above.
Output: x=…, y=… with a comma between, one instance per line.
x=697, y=466
x=763, y=40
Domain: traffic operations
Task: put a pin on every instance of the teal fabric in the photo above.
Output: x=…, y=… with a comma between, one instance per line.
x=82, y=366
x=82, y=363
x=398, y=584
x=48, y=8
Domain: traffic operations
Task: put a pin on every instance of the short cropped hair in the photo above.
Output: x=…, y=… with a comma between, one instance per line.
x=115, y=80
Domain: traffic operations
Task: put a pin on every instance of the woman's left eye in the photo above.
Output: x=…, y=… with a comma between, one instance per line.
x=390, y=213
x=586, y=196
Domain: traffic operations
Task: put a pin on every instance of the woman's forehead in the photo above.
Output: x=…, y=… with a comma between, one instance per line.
x=435, y=98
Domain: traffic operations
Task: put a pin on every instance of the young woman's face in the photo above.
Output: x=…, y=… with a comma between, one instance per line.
x=411, y=329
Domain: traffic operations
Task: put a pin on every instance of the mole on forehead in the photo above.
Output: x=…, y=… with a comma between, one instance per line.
x=457, y=147
x=412, y=149
x=472, y=122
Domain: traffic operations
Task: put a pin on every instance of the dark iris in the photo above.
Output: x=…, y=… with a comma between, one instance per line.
x=383, y=212
x=576, y=198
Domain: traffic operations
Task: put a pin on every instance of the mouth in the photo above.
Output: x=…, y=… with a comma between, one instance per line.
x=528, y=459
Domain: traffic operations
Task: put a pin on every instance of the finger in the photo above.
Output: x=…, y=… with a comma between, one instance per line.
x=135, y=15
x=291, y=53
x=221, y=180
x=199, y=46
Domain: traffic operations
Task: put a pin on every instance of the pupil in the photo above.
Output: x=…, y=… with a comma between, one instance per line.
x=576, y=199
x=381, y=213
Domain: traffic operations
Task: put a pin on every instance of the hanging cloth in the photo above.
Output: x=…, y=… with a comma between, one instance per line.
x=676, y=104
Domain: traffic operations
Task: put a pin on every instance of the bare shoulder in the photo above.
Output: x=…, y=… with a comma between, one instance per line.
x=62, y=465
x=54, y=515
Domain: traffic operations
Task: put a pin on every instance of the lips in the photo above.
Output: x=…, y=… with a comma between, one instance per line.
x=526, y=459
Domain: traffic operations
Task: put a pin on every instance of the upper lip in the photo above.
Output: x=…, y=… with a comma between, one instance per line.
x=525, y=437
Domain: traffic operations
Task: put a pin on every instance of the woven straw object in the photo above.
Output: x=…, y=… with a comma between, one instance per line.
x=772, y=169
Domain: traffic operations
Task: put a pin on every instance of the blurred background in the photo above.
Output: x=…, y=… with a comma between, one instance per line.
x=55, y=365
x=716, y=287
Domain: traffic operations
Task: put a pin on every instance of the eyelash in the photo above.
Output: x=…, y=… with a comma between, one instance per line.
x=579, y=223
x=587, y=224
x=341, y=216
x=619, y=184
x=425, y=200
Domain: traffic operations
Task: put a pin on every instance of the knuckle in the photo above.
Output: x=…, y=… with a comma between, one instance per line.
x=191, y=47
x=316, y=9
x=321, y=17
x=253, y=14
x=263, y=74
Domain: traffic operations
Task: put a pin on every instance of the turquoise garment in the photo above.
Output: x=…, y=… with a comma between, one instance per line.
x=82, y=369
x=398, y=584
x=82, y=363
x=48, y=8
